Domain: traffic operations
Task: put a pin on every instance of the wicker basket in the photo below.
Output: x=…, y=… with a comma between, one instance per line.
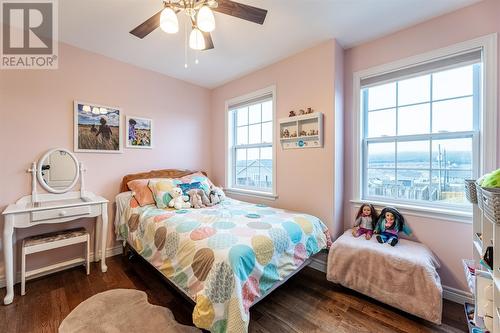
x=479, y=195
x=470, y=190
x=490, y=198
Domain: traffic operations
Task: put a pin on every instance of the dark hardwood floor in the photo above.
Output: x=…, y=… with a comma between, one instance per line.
x=306, y=303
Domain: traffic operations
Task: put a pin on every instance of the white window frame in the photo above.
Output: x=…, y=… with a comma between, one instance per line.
x=487, y=120
x=229, y=138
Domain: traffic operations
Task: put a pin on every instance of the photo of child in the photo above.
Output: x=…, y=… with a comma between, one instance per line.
x=97, y=128
x=139, y=132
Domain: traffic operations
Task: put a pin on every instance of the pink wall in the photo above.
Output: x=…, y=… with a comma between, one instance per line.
x=36, y=113
x=449, y=240
x=305, y=178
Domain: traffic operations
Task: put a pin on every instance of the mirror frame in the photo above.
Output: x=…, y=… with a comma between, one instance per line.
x=39, y=175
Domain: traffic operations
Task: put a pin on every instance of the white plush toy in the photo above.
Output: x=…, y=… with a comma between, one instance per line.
x=216, y=195
x=178, y=200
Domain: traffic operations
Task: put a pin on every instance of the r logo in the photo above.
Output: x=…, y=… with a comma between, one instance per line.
x=28, y=28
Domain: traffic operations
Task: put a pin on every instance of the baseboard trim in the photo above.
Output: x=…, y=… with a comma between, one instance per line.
x=449, y=293
x=110, y=252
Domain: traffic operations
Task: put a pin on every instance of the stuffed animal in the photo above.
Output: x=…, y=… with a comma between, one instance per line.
x=195, y=198
x=365, y=221
x=389, y=225
x=178, y=200
x=216, y=195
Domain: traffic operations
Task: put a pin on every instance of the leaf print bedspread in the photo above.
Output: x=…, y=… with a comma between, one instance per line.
x=223, y=257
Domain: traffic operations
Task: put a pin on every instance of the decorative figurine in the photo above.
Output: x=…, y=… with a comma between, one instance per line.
x=309, y=110
x=301, y=112
x=311, y=132
x=292, y=114
x=294, y=134
x=303, y=133
x=286, y=133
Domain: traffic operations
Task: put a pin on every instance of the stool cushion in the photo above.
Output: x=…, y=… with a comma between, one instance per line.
x=53, y=236
x=403, y=276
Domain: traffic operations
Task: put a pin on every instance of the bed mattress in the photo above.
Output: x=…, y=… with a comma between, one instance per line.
x=223, y=257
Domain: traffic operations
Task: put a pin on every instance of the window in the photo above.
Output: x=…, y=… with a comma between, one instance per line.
x=420, y=132
x=250, y=126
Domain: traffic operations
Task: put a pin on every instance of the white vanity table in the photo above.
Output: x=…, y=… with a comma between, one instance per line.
x=58, y=171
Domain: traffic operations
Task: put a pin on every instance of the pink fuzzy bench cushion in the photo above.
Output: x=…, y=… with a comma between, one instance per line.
x=404, y=276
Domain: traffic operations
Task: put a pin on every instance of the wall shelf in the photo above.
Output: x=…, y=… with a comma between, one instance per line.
x=311, y=124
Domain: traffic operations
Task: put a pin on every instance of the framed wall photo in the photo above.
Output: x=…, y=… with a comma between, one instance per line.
x=97, y=128
x=139, y=132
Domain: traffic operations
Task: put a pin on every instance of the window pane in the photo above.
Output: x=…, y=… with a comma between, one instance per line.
x=253, y=156
x=381, y=155
x=414, y=155
x=241, y=167
x=452, y=154
x=415, y=90
x=242, y=135
x=267, y=111
x=254, y=114
x=381, y=182
x=253, y=176
x=382, y=123
x=266, y=154
x=413, y=184
x=267, y=132
x=242, y=116
x=414, y=119
x=448, y=186
x=452, y=83
x=254, y=134
x=453, y=115
x=382, y=97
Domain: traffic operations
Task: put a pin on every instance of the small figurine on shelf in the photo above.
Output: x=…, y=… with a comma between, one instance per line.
x=309, y=110
x=301, y=112
x=303, y=133
x=292, y=114
x=365, y=221
x=294, y=134
x=286, y=133
x=311, y=132
x=389, y=224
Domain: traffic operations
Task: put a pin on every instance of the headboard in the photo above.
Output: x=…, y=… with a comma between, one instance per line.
x=163, y=173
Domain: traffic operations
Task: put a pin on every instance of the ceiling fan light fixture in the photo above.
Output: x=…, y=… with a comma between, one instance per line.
x=168, y=21
x=196, y=39
x=205, y=19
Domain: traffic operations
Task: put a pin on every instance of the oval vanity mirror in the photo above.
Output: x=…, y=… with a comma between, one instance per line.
x=58, y=170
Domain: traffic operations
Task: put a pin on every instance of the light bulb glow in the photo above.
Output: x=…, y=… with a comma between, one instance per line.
x=196, y=40
x=205, y=19
x=168, y=21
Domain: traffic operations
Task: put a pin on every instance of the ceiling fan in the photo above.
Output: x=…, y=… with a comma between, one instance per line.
x=201, y=17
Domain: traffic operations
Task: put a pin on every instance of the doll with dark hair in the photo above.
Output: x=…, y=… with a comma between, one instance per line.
x=389, y=225
x=365, y=221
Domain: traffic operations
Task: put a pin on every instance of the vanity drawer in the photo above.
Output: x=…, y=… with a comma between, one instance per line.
x=59, y=213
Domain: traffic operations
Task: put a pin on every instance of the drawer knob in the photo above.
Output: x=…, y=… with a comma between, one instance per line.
x=62, y=213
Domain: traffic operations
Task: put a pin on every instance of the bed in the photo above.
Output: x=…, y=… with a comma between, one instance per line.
x=224, y=258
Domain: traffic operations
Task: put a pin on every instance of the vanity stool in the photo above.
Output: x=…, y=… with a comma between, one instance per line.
x=54, y=240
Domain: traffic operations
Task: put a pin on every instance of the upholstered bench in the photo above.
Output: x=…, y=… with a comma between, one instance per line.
x=51, y=241
x=404, y=276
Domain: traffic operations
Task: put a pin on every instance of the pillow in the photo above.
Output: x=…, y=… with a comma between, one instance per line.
x=198, y=177
x=141, y=191
x=185, y=187
x=161, y=190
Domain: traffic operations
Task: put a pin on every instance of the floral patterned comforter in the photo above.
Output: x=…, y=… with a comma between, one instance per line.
x=224, y=257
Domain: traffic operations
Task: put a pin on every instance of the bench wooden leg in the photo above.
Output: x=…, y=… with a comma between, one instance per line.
x=87, y=257
x=23, y=272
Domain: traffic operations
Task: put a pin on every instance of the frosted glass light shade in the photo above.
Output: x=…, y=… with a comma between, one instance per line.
x=196, y=40
x=168, y=21
x=86, y=108
x=205, y=19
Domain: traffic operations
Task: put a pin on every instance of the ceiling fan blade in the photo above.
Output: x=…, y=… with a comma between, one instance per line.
x=245, y=12
x=209, y=44
x=146, y=27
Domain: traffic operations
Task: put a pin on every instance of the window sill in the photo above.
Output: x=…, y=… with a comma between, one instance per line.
x=249, y=193
x=421, y=211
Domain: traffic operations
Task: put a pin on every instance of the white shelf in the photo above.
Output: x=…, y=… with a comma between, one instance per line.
x=307, y=123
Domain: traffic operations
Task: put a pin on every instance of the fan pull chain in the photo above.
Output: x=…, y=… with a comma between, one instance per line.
x=185, y=44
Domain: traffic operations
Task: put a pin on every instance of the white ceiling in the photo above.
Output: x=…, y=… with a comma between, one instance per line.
x=241, y=47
